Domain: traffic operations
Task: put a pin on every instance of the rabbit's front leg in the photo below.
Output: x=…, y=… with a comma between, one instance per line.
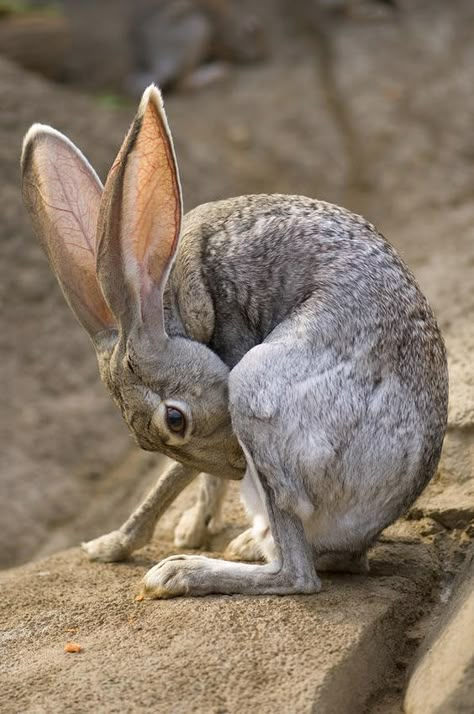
x=138, y=529
x=291, y=570
x=204, y=517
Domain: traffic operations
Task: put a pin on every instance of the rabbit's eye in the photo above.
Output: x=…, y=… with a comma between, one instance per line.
x=175, y=420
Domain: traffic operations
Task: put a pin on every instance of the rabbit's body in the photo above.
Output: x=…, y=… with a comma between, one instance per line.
x=348, y=387
x=273, y=336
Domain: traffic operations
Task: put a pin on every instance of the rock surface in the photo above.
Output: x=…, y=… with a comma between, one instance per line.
x=327, y=653
x=443, y=678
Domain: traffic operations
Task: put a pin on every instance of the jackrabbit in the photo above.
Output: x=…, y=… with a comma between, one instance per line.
x=275, y=339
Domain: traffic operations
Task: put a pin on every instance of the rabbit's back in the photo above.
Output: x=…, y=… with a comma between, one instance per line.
x=258, y=259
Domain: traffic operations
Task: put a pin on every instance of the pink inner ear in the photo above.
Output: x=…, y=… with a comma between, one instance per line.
x=151, y=211
x=140, y=219
x=64, y=194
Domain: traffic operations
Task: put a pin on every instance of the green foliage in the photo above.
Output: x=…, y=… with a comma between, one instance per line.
x=111, y=100
x=23, y=7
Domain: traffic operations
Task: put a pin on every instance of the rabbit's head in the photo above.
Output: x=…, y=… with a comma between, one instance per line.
x=112, y=250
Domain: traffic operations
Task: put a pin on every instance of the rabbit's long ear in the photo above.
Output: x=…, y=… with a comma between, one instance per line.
x=140, y=220
x=62, y=193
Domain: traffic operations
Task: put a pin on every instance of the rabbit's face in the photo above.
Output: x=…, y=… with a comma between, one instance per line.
x=174, y=398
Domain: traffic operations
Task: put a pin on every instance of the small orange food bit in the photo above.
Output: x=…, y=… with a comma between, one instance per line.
x=139, y=598
x=72, y=647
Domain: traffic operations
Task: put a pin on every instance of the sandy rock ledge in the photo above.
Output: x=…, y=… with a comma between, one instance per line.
x=327, y=653
x=443, y=677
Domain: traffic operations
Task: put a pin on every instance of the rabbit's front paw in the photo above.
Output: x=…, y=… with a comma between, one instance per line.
x=191, y=531
x=245, y=546
x=108, y=548
x=174, y=576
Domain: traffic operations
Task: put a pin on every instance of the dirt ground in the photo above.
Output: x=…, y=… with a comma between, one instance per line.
x=373, y=114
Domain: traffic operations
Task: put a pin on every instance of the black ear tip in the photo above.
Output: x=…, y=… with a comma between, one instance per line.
x=31, y=136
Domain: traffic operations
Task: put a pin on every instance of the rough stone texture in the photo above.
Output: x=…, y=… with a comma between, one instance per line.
x=450, y=504
x=324, y=653
x=442, y=681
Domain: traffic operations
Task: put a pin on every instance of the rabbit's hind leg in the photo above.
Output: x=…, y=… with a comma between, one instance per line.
x=292, y=569
x=291, y=572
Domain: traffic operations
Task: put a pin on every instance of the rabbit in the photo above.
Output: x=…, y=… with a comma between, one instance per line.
x=277, y=340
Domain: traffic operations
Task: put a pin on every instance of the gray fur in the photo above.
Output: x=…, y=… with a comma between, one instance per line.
x=304, y=354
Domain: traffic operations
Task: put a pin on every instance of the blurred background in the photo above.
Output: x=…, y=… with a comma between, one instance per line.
x=365, y=103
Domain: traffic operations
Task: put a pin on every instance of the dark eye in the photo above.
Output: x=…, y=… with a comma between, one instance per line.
x=175, y=420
